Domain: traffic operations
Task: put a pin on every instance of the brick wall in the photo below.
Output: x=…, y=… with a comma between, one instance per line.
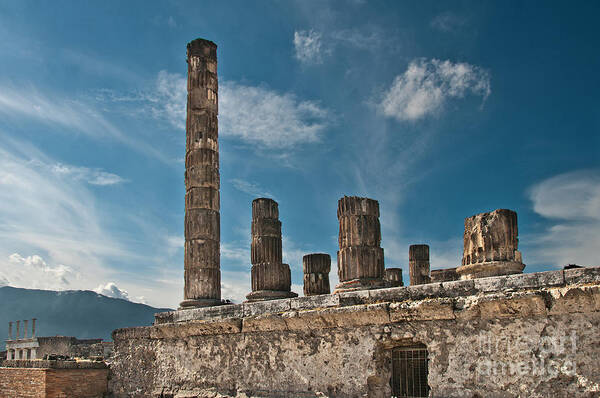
x=22, y=383
x=53, y=383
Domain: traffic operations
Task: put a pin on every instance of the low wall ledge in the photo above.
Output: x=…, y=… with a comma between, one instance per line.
x=439, y=290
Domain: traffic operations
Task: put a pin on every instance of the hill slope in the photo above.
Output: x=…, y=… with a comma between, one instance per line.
x=79, y=313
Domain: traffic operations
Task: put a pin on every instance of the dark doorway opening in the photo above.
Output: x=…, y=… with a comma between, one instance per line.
x=409, y=372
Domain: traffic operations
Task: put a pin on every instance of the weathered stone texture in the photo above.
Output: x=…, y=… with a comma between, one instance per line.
x=418, y=264
x=490, y=245
x=443, y=275
x=316, y=267
x=202, y=221
x=393, y=277
x=529, y=335
x=271, y=279
x=360, y=259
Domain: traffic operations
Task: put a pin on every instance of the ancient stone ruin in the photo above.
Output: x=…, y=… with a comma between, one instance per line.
x=202, y=219
x=483, y=329
x=418, y=264
x=316, y=269
x=393, y=277
x=271, y=279
x=490, y=245
x=360, y=258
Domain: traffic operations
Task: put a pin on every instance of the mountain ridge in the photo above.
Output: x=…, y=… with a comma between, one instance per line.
x=80, y=313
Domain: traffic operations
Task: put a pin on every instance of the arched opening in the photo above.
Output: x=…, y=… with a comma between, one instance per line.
x=410, y=368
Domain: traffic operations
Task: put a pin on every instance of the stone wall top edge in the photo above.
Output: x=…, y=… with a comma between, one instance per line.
x=48, y=364
x=459, y=288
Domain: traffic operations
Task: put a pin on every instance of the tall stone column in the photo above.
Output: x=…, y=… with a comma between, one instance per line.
x=271, y=279
x=490, y=245
x=418, y=264
x=25, y=328
x=202, y=218
x=18, y=330
x=316, y=269
x=393, y=277
x=33, y=328
x=360, y=258
x=10, y=330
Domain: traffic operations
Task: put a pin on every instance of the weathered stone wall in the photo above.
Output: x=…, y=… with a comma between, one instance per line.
x=526, y=335
x=53, y=379
x=70, y=346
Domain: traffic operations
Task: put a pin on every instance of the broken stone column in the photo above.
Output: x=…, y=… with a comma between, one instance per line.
x=202, y=218
x=360, y=258
x=490, y=245
x=271, y=279
x=10, y=330
x=393, y=277
x=418, y=264
x=316, y=267
x=444, y=275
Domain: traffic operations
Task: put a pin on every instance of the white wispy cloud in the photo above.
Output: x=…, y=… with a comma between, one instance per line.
x=262, y=116
x=91, y=176
x=572, y=202
x=76, y=116
x=427, y=85
x=308, y=47
x=252, y=189
x=447, y=22
x=43, y=212
x=253, y=114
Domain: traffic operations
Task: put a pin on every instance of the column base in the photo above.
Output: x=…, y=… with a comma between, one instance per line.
x=360, y=284
x=491, y=268
x=264, y=295
x=194, y=303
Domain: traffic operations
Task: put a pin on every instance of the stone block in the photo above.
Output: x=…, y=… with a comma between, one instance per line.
x=586, y=275
x=389, y=295
x=353, y=297
x=315, y=302
x=429, y=290
x=458, y=288
x=266, y=307
x=426, y=310
x=209, y=313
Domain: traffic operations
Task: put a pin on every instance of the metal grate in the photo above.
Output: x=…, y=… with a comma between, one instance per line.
x=409, y=372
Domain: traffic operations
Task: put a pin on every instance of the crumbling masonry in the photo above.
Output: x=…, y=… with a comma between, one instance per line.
x=483, y=329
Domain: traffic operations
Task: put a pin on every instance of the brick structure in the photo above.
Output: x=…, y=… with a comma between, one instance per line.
x=53, y=379
x=316, y=267
x=202, y=217
x=271, y=279
x=418, y=264
x=490, y=245
x=360, y=258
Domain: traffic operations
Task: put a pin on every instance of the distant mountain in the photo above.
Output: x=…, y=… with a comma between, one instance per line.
x=79, y=313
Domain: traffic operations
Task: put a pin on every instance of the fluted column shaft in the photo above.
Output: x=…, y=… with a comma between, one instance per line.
x=418, y=264
x=360, y=258
x=316, y=269
x=202, y=218
x=271, y=279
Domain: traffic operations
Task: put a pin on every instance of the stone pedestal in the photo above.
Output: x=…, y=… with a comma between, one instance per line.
x=393, y=277
x=418, y=264
x=444, y=275
x=316, y=269
x=360, y=258
x=202, y=219
x=271, y=279
x=490, y=245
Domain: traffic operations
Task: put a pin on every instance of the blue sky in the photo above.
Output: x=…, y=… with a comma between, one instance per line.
x=439, y=110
